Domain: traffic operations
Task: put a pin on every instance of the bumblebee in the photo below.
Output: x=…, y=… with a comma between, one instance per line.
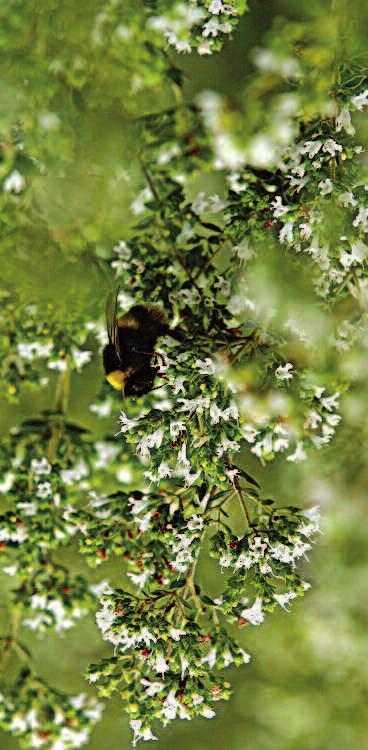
x=128, y=356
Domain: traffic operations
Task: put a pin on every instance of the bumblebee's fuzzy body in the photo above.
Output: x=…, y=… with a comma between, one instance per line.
x=128, y=355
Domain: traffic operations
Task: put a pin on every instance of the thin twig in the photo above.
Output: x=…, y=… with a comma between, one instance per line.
x=242, y=501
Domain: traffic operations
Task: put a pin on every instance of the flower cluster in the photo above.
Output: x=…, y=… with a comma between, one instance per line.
x=227, y=385
x=263, y=562
x=30, y=340
x=45, y=718
x=278, y=434
x=200, y=25
x=54, y=598
x=168, y=658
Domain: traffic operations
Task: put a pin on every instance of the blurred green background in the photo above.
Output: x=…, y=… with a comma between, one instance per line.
x=307, y=686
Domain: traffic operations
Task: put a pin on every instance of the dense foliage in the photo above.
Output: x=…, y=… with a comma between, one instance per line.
x=239, y=381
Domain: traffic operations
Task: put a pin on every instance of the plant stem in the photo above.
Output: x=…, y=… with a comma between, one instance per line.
x=242, y=501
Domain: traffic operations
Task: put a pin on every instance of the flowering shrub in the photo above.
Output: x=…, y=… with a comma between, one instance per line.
x=232, y=383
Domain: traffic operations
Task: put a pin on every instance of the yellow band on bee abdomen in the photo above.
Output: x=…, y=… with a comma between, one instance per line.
x=116, y=379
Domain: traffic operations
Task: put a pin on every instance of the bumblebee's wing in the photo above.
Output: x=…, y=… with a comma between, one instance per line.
x=112, y=321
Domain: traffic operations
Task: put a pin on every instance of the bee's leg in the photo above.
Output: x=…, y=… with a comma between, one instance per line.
x=139, y=351
x=158, y=355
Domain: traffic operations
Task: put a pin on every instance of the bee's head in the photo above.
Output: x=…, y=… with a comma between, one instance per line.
x=140, y=382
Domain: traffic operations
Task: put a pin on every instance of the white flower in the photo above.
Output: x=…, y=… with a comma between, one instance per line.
x=126, y=424
x=243, y=250
x=76, y=473
x=178, y=385
x=200, y=203
x=139, y=204
x=313, y=420
x=254, y=614
x=298, y=455
x=176, y=633
x=7, y=483
x=61, y=365
x=245, y=656
x=357, y=255
x=211, y=28
x=102, y=410
x=286, y=232
x=18, y=723
x=331, y=402
x=216, y=7
x=41, y=467
x=187, y=233
x=191, y=478
x=284, y=599
x=105, y=453
x=244, y=561
x=227, y=445
x=227, y=657
x=15, y=182
x=207, y=712
x=225, y=561
x=361, y=217
x=31, y=350
x=204, y=49
x=182, y=45
x=81, y=357
x=164, y=471
x=182, y=455
x=361, y=100
x=140, y=579
x=343, y=122
x=176, y=428
x=216, y=204
x=311, y=148
x=347, y=199
x=206, y=366
x=305, y=231
x=144, y=734
x=210, y=658
x=331, y=147
x=326, y=186
x=195, y=523
x=249, y=433
x=152, y=688
x=283, y=372
x=278, y=208
x=161, y=664
x=153, y=440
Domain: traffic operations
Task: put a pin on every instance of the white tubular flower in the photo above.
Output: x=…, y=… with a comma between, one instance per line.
x=284, y=599
x=126, y=424
x=254, y=614
x=278, y=208
x=182, y=455
x=14, y=183
x=206, y=366
x=160, y=665
x=343, y=122
x=41, y=467
x=80, y=357
x=195, y=523
x=284, y=372
x=152, y=688
x=286, y=232
x=298, y=455
x=176, y=428
x=361, y=100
